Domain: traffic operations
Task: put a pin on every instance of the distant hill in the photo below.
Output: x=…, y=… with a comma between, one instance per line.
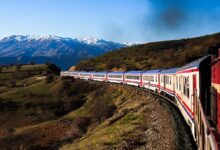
x=63, y=52
x=164, y=54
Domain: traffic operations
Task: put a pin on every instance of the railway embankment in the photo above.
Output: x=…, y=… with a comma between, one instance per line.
x=74, y=114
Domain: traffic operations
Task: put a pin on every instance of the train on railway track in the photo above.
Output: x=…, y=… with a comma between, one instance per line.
x=194, y=87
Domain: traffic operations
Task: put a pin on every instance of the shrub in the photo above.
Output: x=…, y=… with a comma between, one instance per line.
x=50, y=78
x=52, y=68
x=102, y=109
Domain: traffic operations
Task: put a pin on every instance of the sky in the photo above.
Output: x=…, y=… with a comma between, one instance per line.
x=115, y=20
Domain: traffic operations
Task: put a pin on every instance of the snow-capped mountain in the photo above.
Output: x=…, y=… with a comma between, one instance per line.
x=64, y=52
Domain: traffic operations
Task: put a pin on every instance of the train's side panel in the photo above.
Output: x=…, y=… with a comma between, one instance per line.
x=186, y=83
x=113, y=80
x=167, y=84
x=150, y=81
x=135, y=81
x=115, y=77
x=216, y=87
x=99, y=78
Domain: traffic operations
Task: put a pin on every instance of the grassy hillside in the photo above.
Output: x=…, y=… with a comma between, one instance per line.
x=164, y=54
x=64, y=113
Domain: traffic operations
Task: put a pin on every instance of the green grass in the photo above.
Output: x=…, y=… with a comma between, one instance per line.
x=107, y=135
x=27, y=94
x=36, y=67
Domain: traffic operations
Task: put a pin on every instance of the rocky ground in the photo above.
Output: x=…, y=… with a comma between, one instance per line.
x=140, y=122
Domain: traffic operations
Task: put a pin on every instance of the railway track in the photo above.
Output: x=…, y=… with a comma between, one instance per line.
x=183, y=134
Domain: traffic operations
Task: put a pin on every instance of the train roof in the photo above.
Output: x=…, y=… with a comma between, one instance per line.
x=134, y=72
x=101, y=72
x=152, y=71
x=73, y=71
x=85, y=72
x=169, y=71
x=116, y=72
x=194, y=64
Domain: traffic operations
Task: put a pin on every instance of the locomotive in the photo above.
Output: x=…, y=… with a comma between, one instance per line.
x=194, y=87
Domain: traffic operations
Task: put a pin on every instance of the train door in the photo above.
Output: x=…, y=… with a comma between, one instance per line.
x=194, y=104
x=158, y=83
x=141, y=78
x=173, y=82
x=164, y=81
x=194, y=92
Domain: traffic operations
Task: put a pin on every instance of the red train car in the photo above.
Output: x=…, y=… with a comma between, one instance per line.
x=215, y=85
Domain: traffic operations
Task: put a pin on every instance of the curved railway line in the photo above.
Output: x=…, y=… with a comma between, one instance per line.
x=193, y=88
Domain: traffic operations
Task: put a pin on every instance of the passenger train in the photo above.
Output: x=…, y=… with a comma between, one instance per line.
x=195, y=88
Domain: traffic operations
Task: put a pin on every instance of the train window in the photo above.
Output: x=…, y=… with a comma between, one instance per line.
x=186, y=86
x=170, y=80
x=99, y=75
x=85, y=75
x=133, y=77
x=148, y=78
x=115, y=76
x=176, y=82
x=180, y=83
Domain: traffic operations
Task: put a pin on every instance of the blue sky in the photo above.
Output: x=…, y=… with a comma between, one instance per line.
x=116, y=20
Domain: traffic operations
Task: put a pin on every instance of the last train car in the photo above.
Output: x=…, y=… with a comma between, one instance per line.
x=192, y=85
x=64, y=73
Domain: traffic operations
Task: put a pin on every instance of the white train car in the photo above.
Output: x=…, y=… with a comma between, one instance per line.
x=99, y=76
x=74, y=74
x=151, y=80
x=64, y=73
x=133, y=78
x=85, y=75
x=115, y=77
x=190, y=79
x=167, y=81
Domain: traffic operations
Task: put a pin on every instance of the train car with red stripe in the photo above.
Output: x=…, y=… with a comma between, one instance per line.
x=167, y=81
x=64, y=73
x=85, y=75
x=151, y=80
x=99, y=76
x=192, y=82
x=115, y=77
x=133, y=78
x=215, y=94
x=74, y=74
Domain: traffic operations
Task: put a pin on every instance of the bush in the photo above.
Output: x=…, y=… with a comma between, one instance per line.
x=50, y=78
x=102, y=108
x=52, y=68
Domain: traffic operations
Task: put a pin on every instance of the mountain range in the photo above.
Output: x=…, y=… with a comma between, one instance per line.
x=64, y=52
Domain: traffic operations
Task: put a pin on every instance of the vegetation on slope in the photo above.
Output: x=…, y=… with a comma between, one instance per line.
x=75, y=114
x=165, y=54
